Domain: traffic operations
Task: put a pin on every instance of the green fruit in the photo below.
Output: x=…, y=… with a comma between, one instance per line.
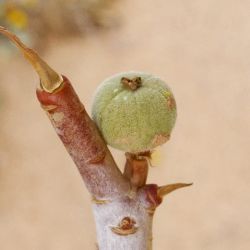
x=134, y=111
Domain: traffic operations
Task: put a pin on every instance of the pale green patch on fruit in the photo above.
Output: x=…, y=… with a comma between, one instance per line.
x=134, y=120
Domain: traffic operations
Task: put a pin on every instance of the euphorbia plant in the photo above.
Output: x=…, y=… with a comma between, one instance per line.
x=134, y=112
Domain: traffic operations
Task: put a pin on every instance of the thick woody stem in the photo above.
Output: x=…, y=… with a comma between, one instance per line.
x=83, y=142
x=125, y=224
x=76, y=130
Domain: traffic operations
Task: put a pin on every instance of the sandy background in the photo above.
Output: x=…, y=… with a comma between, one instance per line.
x=202, y=49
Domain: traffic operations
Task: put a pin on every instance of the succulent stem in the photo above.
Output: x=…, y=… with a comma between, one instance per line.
x=50, y=80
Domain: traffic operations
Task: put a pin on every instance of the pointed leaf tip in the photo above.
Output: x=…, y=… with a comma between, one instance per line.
x=50, y=80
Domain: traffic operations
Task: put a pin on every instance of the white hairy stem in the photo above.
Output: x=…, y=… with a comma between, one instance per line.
x=108, y=218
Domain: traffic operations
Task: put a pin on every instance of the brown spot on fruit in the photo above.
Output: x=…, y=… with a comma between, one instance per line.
x=171, y=103
x=160, y=139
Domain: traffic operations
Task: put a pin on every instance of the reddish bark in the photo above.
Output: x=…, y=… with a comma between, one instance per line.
x=83, y=141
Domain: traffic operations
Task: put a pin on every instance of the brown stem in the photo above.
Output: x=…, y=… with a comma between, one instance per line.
x=76, y=130
x=82, y=140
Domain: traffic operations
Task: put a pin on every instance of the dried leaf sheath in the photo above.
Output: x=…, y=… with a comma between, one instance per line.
x=83, y=142
x=50, y=80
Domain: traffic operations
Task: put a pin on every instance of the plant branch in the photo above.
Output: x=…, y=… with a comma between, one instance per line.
x=83, y=141
x=123, y=221
x=75, y=128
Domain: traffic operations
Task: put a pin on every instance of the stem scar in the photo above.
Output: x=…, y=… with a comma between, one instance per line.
x=49, y=107
x=98, y=159
x=99, y=202
x=58, y=116
x=125, y=227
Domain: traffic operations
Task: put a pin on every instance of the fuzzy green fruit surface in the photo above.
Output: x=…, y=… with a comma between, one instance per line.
x=135, y=120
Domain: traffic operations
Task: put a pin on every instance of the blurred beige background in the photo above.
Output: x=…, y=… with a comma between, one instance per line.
x=202, y=49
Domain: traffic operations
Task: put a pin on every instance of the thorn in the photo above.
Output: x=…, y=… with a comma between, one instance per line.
x=164, y=190
x=50, y=80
